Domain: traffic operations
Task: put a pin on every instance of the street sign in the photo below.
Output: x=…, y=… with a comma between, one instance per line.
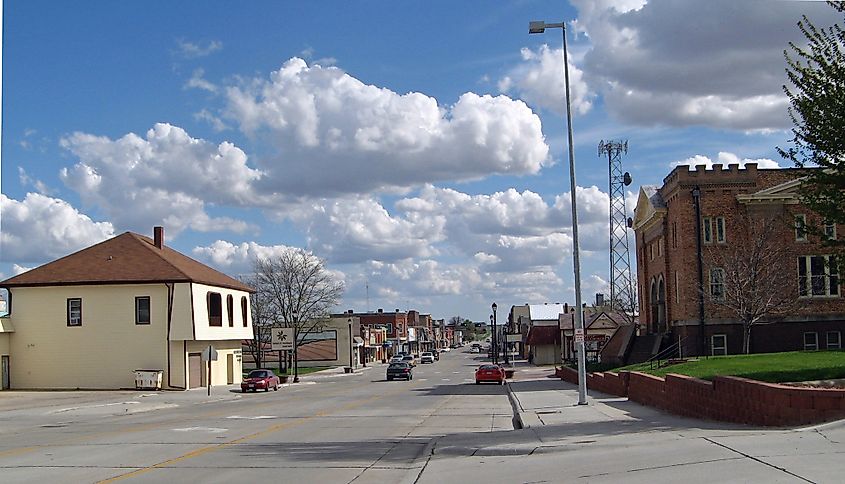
x=579, y=335
x=282, y=339
x=209, y=354
x=514, y=338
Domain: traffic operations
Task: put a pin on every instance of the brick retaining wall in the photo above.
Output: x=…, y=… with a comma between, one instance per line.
x=726, y=398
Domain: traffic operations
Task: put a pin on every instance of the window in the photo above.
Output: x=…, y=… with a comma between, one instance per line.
x=651, y=251
x=800, y=227
x=230, y=310
x=677, y=290
x=215, y=309
x=660, y=247
x=244, y=310
x=719, y=345
x=817, y=276
x=811, y=341
x=142, y=310
x=830, y=231
x=707, y=231
x=674, y=235
x=74, y=311
x=720, y=230
x=834, y=340
x=717, y=283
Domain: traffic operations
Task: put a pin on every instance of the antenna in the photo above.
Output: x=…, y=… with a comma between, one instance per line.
x=621, y=285
x=368, y=296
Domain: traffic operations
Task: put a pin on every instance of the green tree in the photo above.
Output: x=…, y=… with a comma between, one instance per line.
x=817, y=98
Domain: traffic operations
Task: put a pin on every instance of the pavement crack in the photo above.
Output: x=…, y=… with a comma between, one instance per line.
x=825, y=437
x=748, y=456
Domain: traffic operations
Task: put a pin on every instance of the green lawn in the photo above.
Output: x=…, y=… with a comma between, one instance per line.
x=303, y=370
x=770, y=367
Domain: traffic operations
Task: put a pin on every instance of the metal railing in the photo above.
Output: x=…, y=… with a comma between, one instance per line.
x=672, y=351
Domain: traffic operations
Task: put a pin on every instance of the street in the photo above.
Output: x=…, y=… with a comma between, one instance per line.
x=328, y=428
x=439, y=427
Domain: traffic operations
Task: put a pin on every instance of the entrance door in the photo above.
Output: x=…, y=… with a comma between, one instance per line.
x=230, y=368
x=4, y=371
x=194, y=370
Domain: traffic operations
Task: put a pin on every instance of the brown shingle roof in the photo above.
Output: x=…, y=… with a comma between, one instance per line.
x=128, y=258
x=543, y=335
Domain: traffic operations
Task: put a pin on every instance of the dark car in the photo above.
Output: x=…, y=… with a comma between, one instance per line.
x=260, y=380
x=400, y=370
x=491, y=373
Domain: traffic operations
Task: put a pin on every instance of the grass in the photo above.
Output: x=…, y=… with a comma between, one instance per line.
x=302, y=370
x=768, y=367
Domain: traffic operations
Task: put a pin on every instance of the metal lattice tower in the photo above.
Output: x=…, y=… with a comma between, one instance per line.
x=622, y=295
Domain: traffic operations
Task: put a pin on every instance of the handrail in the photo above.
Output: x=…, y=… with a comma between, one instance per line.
x=665, y=353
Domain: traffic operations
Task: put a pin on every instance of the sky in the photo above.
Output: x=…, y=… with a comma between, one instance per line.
x=419, y=148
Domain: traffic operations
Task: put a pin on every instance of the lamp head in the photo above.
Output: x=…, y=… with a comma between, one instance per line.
x=494, y=306
x=536, y=27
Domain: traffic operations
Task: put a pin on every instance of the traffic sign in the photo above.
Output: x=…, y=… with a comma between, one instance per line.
x=209, y=354
x=579, y=335
x=282, y=339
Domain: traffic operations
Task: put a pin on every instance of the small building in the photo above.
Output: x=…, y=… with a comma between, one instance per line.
x=331, y=342
x=90, y=319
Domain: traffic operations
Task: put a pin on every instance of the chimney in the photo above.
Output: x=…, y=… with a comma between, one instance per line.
x=158, y=237
x=380, y=310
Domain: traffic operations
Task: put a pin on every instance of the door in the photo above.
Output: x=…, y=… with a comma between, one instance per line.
x=194, y=370
x=230, y=368
x=4, y=371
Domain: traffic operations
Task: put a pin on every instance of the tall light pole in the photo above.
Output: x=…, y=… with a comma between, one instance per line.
x=294, y=315
x=538, y=27
x=495, y=337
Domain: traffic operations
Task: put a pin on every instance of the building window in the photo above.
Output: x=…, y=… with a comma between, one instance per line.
x=708, y=231
x=674, y=235
x=677, y=289
x=660, y=247
x=719, y=345
x=230, y=310
x=651, y=251
x=720, y=229
x=142, y=310
x=830, y=231
x=811, y=341
x=800, y=227
x=817, y=276
x=215, y=309
x=244, y=310
x=834, y=340
x=717, y=283
x=74, y=311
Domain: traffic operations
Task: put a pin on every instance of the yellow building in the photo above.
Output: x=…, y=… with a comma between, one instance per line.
x=90, y=319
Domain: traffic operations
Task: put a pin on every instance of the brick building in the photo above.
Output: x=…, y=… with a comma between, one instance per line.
x=729, y=201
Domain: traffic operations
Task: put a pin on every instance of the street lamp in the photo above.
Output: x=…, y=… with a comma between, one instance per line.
x=495, y=337
x=351, y=343
x=538, y=27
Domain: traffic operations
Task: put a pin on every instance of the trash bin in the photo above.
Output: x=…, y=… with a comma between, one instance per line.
x=347, y=369
x=148, y=379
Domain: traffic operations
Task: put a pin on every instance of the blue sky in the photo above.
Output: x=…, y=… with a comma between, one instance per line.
x=418, y=147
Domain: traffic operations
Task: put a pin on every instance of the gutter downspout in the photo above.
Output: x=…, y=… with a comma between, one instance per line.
x=696, y=197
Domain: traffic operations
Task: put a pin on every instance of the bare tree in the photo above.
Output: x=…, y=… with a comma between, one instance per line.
x=263, y=318
x=748, y=278
x=300, y=290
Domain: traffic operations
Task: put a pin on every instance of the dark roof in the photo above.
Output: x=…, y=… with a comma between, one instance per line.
x=543, y=335
x=128, y=258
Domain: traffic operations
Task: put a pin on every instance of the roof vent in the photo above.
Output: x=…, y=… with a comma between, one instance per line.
x=158, y=237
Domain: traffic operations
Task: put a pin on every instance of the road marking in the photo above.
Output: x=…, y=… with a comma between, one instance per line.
x=258, y=417
x=445, y=379
x=213, y=430
x=70, y=409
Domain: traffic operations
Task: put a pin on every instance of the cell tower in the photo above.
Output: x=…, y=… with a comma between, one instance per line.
x=622, y=295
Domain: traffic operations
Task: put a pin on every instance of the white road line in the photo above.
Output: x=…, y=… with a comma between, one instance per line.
x=257, y=417
x=212, y=430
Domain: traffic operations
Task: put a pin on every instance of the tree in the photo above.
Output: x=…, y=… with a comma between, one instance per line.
x=747, y=277
x=817, y=110
x=263, y=318
x=300, y=291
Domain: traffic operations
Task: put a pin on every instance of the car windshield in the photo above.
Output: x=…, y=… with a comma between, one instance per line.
x=258, y=374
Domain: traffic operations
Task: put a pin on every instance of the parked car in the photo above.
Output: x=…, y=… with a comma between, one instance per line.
x=475, y=349
x=427, y=357
x=396, y=359
x=490, y=373
x=260, y=380
x=409, y=359
x=403, y=371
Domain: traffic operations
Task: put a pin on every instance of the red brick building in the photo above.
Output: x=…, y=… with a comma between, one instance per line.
x=674, y=256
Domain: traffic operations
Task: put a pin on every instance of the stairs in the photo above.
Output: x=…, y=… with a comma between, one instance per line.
x=645, y=346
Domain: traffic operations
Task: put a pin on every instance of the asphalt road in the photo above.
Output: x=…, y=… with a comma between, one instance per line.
x=335, y=428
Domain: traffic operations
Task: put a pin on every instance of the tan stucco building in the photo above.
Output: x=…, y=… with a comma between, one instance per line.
x=90, y=319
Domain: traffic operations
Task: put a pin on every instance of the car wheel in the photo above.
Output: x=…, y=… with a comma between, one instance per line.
x=276, y=388
x=243, y=390
x=389, y=378
x=477, y=382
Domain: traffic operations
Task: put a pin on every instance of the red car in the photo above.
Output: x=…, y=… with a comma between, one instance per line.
x=492, y=373
x=260, y=380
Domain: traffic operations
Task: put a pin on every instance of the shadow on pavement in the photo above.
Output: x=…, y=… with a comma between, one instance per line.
x=464, y=389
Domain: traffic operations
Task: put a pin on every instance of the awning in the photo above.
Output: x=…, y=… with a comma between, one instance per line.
x=543, y=335
x=357, y=341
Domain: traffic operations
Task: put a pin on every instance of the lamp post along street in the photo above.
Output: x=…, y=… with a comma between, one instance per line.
x=538, y=27
x=495, y=337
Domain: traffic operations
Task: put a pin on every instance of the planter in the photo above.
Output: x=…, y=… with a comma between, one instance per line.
x=509, y=373
x=283, y=379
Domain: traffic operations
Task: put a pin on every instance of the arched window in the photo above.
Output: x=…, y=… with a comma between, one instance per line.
x=230, y=310
x=244, y=309
x=215, y=309
x=661, y=306
x=652, y=303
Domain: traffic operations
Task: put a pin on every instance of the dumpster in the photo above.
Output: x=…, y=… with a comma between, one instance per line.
x=148, y=379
